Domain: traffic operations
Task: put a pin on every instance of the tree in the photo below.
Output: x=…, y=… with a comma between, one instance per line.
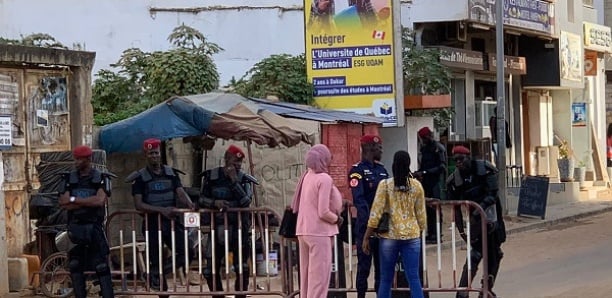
x=425, y=75
x=146, y=79
x=281, y=75
x=35, y=40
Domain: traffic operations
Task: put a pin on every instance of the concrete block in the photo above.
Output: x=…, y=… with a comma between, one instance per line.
x=18, y=274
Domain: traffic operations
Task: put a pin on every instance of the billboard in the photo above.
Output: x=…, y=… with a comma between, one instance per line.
x=350, y=56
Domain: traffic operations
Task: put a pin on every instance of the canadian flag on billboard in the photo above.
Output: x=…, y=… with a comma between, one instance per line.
x=377, y=34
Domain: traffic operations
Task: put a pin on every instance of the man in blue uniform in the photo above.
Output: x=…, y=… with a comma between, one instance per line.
x=432, y=167
x=156, y=190
x=228, y=187
x=84, y=195
x=363, y=180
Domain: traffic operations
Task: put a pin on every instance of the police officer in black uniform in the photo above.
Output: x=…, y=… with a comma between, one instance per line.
x=432, y=167
x=84, y=196
x=476, y=180
x=363, y=180
x=157, y=189
x=228, y=187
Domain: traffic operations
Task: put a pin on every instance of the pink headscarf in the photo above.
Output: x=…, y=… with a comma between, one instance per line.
x=318, y=159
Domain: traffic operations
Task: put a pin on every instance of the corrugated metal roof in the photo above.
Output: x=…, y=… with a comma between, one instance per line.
x=307, y=112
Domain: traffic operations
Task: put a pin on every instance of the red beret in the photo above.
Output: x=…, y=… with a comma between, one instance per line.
x=236, y=151
x=370, y=139
x=423, y=132
x=151, y=144
x=81, y=151
x=461, y=150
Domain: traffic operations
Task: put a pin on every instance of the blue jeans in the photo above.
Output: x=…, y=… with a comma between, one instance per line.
x=389, y=249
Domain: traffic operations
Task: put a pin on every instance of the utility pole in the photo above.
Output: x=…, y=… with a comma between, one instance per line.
x=501, y=103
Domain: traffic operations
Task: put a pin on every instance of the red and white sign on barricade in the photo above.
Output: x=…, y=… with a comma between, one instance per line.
x=192, y=219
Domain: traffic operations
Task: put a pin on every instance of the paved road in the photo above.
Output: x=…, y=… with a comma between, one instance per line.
x=567, y=260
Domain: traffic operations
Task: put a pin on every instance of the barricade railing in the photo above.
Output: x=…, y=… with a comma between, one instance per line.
x=132, y=264
x=436, y=284
x=132, y=236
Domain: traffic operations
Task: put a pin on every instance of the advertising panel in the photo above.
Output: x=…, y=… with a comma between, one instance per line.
x=571, y=56
x=350, y=56
x=597, y=37
x=527, y=14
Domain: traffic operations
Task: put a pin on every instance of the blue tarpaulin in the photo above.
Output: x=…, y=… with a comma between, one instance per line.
x=174, y=118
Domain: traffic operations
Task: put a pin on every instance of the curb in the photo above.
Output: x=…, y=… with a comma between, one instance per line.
x=532, y=226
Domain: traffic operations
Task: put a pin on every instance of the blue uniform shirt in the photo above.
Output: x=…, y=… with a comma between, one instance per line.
x=363, y=180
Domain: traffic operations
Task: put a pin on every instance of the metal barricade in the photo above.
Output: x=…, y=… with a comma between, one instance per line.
x=430, y=284
x=131, y=242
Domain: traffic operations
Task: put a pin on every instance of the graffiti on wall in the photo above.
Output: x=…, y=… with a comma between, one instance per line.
x=49, y=107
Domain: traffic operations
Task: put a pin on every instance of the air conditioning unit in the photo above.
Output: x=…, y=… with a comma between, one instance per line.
x=587, y=3
x=542, y=161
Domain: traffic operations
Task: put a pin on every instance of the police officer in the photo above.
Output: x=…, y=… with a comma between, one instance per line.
x=432, y=167
x=84, y=196
x=228, y=187
x=363, y=180
x=476, y=180
x=157, y=189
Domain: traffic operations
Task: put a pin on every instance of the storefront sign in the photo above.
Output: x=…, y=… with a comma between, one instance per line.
x=597, y=37
x=512, y=64
x=590, y=63
x=460, y=58
x=350, y=57
x=535, y=15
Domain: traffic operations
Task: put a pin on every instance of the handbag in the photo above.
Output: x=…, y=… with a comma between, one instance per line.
x=383, y=224
x=288, y=224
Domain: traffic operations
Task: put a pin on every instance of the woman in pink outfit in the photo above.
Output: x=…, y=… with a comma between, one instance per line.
x=319, y=204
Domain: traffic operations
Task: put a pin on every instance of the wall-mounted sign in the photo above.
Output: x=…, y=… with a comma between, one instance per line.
x=579, y=114
x=535, y=15
x=6, y=135
x=571, y=56
x=460, y=58
x=512, y=64
x=597, y=37
x=590, y=63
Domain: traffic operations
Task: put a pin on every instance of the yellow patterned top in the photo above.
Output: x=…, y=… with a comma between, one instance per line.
x=406, y=209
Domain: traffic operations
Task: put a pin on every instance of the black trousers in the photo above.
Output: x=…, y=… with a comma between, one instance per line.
x=494, y=254
x=166, y=238
x=242, y=280
x=91, y=257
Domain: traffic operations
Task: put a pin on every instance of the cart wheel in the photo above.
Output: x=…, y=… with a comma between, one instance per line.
x=55, y=276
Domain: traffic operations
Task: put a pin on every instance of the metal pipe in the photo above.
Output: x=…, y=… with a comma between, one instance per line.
x=501, y=103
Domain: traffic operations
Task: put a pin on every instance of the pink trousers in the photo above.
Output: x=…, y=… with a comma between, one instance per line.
x=315, y=265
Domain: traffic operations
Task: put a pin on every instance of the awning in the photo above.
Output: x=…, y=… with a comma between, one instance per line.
x=189, y=116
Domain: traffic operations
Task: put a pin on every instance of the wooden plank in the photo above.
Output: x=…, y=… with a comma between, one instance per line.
x=601, y=172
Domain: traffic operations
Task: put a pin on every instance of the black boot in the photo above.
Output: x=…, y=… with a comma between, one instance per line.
x=218, y=288
x=106, y=282
x=78, y=284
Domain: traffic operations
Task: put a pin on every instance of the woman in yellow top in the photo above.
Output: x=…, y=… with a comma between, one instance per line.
x=404, y=199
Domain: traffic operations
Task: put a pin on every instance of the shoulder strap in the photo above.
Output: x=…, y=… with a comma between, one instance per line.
x=146, y=176
x=74, y=177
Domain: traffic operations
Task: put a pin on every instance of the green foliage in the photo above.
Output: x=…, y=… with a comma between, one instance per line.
x=425, y=75
x=282, y=75
x=441, y=117
x=35, y=40
x=145, y=79
x=423, y=72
